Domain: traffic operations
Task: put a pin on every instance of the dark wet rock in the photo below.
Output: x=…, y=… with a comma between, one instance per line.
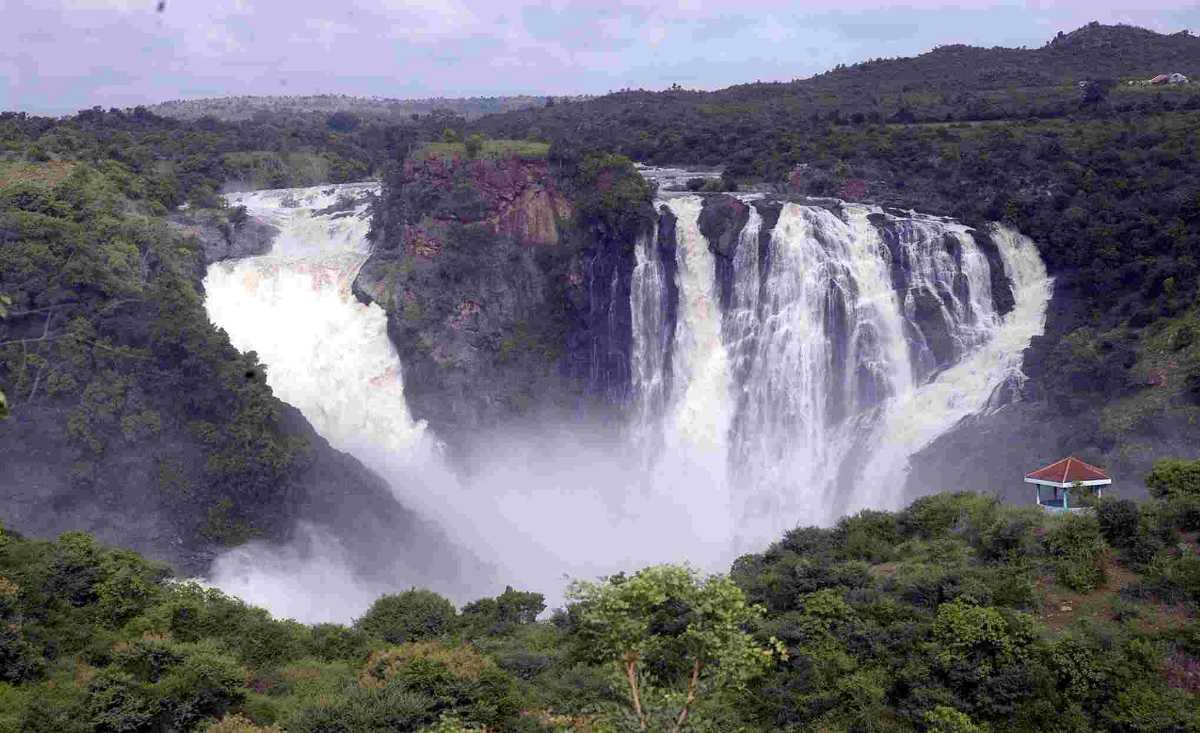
x=722, y=218
x=220, y=239
x=1002, y=292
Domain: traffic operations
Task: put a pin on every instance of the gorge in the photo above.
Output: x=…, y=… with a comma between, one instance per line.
x=785, y=360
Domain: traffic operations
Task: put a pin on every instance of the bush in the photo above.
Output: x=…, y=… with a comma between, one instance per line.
x=332, y=642
x=20, y=661
x=945, y=719
x=205, y=684
x=869, y=535
x=459, y=678
x=1077, y=546
x=239, y=724
x=1119, y=521
x=413, y=615
x=1173, y=478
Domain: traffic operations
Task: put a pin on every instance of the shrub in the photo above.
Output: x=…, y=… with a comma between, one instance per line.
x=204, y=684
x=332, y=642
x=239, y=724
x=1119, y=520
x=474, y=145
x=363, y=710
x=459, y=679
x=945, y=719
x=869, y=535
x=118, y=702
x=20, y=661
x=1078, y=549
x=464, y=662
x=409, y=616
x=1173, y=478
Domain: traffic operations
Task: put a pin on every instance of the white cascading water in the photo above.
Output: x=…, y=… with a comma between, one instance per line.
x=294, y=307
x=697, y=433
x=821, y=361
x=543, y=508
x=965, y=388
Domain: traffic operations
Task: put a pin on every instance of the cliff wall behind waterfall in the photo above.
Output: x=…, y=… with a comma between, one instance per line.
x=506, y=283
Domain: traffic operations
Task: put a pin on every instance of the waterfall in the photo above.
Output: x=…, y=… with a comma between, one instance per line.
x=781, y=379
x=294, y=308
x=697, y=430
x=853, y=337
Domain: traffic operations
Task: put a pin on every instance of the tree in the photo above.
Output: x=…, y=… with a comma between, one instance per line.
x=474, y=145
x=4, y=303
x=668, y=615
x=409, y=616
x=1173, y=478
x=1095, y=91
x=499, y=615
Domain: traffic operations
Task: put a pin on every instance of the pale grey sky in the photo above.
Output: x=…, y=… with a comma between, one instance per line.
x=59, y=56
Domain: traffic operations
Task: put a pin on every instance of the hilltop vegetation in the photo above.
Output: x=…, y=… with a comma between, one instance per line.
x=956, y=614
x=350, y=110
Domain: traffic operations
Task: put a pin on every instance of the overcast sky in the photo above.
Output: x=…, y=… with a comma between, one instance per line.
x=61, y=56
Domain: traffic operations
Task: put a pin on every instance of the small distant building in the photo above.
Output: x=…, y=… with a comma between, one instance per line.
x=1161, y=79
x=1053, y=484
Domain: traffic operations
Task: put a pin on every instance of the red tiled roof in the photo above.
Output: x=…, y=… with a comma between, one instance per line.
x=1069, y=470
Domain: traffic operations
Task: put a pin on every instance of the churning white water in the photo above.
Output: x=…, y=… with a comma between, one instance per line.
x=827, y=370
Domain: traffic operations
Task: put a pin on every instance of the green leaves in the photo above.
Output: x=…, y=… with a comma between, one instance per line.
x=413, y=615
x=691, y=630
x=1175, y=478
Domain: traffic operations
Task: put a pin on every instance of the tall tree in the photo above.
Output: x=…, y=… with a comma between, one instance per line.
x=674, y=634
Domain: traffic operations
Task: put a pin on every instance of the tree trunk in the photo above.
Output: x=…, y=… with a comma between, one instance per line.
x=693, y=683
x=631, y=675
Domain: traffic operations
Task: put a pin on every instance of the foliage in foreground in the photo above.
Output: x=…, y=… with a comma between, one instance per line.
x=956, y=614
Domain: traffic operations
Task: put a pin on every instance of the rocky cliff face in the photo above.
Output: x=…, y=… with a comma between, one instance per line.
x=220, y=236
x=134, y=419
x=502, y=303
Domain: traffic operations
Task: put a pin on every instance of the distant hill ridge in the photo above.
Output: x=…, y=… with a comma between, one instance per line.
x=1093, y=50
x=239, y=108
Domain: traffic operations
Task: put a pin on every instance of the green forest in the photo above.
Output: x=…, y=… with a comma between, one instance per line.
x=956, y=614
